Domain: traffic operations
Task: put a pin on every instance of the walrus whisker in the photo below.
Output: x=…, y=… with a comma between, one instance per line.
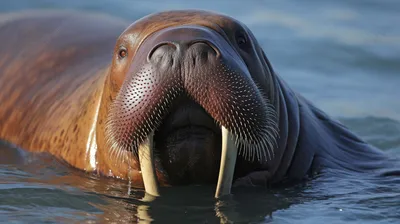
x=267, y=150
x=239, y=127
x=261, y=148
x=262, y=153
x=127, y=123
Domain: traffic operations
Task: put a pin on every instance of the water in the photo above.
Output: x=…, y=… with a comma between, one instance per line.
x=342, y=55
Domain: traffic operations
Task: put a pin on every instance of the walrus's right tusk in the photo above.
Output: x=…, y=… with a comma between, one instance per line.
x=147, y=166
x=228, y=162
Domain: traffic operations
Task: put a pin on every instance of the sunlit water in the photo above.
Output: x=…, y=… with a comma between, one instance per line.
x=342, y=55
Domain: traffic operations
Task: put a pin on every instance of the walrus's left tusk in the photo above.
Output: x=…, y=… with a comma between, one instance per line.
x=147, y=166
x=228, y=162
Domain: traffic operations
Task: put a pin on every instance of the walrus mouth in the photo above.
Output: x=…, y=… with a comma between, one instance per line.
x=210, y=73
x=176, y=136
x=187, y=143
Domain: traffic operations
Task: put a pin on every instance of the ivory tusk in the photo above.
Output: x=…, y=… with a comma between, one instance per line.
x=147, y=166
x=228, y=162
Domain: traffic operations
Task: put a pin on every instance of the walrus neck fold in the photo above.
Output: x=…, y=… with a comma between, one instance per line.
x=289, y=129
x=310, y=141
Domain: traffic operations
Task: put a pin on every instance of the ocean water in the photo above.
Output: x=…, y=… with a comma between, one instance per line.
x=342, y=55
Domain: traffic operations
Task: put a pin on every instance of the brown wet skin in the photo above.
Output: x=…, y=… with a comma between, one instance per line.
x=179, y=73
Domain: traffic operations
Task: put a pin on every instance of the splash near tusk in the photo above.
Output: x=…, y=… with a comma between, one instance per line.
x=228, y=162
x=147, y=166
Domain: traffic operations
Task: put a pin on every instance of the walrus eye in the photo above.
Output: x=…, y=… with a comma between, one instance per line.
x=122, y=53
x=241, y=40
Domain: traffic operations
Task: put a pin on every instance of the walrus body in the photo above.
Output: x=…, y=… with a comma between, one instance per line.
x=64, y=91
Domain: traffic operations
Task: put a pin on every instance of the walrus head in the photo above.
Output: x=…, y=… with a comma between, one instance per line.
x=188, y=85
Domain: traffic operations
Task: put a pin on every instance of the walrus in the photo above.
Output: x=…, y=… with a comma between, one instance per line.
x=177, y=97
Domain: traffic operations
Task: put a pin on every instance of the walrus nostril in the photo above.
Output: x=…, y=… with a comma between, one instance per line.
x=162, y=50
x=203, y=52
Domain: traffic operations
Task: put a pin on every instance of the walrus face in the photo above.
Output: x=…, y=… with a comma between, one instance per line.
x=181, y=77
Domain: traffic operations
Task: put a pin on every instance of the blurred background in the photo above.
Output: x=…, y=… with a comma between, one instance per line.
x=343, y=55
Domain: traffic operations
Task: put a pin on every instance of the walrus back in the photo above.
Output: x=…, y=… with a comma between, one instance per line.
x=49, y=68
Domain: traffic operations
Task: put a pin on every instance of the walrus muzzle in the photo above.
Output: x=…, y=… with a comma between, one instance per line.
x=186, y=86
